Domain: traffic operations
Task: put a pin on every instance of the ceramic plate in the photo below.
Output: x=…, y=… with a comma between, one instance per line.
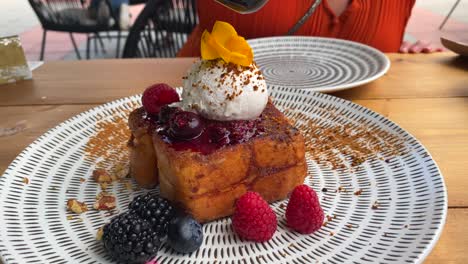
x=455, y=46
x=382, y=192
x=318, y=64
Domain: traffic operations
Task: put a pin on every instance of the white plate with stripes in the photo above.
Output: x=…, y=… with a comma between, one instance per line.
x=383, y=193
x=318, y=64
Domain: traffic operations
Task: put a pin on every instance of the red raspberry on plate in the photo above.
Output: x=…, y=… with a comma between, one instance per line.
x=253, y=219
x=157, y=96
x=303, y=212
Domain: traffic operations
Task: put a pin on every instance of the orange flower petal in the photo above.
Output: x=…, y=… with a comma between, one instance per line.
x=223, y=52
x=240, y=59
x=240, y=45
x=223, y=32
x=207, y=52
x=223, y=42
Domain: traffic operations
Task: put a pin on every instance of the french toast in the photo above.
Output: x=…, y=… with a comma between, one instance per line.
x=207, y=184
x=143, y=162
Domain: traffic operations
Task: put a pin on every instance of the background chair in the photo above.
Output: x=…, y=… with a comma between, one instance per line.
x=76, y=16
x=161, y=29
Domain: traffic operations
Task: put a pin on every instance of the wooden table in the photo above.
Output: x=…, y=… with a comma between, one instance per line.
x=426, y=94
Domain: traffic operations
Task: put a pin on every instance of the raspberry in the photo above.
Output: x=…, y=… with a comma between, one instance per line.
x=253, y=219
x=157, y=96
x=304, y=213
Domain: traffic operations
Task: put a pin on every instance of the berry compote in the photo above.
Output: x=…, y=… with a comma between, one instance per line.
x=189, y=131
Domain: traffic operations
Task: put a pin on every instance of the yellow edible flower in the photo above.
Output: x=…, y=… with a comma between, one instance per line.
x=223, y=42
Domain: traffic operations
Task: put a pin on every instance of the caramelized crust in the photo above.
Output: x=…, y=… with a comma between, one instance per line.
x=143, y=163
x=207, y=186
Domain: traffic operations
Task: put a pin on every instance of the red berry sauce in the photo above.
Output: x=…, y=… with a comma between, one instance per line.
x=214, y=135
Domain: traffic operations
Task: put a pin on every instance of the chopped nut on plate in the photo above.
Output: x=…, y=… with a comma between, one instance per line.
x=101, y=176
x=99, y=233
x=358, y=192
x=103, y=186
x=128, y=186
x=104, y=201
x=121, y=170
x=76, y=206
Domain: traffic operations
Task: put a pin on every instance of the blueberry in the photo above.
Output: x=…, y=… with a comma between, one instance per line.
x=185, y=125
x=185, y=234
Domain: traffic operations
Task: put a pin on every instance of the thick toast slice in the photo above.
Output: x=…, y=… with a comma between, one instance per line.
x=207, y=185
x=143, y=163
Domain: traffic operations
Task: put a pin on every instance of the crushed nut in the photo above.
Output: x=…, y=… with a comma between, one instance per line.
x=103, y=186
x=82, y=180
x=104, y=201
x=99, y=233
x=101, y=176
x=76, y=206
x=25, y=180
x=121, y=170
x=128, y=186
x=375, y=205
x=358, y=192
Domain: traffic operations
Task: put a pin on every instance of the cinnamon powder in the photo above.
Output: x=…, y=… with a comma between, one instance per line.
x=340, y=144
x=107, y=148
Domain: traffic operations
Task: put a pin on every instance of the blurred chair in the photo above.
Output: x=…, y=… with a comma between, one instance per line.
x=76, y=16
x=161, y=29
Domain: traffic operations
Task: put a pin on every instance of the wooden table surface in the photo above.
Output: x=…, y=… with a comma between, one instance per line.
x=425, y=94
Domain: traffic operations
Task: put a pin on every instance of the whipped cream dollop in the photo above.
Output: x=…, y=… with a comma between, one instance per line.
x=224, y=91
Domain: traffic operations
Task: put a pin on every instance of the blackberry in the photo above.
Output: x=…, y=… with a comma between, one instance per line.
x=130, y=239
x=156, y=210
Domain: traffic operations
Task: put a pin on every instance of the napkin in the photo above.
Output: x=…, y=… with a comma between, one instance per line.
x=13, y=65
